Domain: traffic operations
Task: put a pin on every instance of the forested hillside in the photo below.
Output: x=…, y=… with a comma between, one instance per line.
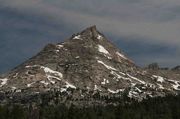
x=155, y=108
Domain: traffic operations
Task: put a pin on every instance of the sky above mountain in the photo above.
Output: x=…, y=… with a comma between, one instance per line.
x=146, y=30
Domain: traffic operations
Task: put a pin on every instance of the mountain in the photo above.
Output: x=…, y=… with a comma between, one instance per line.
x=177, y=68
x=86, y=68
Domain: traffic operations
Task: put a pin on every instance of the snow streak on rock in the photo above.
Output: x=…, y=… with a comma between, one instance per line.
x=78, y=37
x=108, y=67
x=105, y=81
x=3, y=81
x=116, y=91
x=175, y=84
x=99, y=37
x=60, y=46
x=159, y=78
x=121, y=55
x=102, y=50
x=132, y=77
x=50, y=71
x=68, y=85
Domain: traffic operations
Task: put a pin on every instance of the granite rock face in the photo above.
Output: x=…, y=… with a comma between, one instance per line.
x=83, y=66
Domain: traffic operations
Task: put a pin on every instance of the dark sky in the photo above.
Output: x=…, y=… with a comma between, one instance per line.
x=146, y=30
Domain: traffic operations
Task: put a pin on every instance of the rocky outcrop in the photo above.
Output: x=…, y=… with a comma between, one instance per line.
x=177, y=68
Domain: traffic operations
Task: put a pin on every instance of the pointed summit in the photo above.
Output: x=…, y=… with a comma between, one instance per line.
x=92, y=29
x=91, y=32
x=92, y=37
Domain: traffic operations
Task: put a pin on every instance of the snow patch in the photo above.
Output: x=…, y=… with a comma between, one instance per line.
x=48, y=70
x=44, y=82
x=102, y=49
x=15, y=75
x=13, y=88
x=175, y=85
x=159, y=78
x=108, y=57
x=18, y=91
x=160, y=86
x=137, y=89
x=88, y=88
x=116, y=91
x=121, y=55
x=132, y=94
x=99, y=37
x=96, y=88
x=50, y=74
x=132, y=77
x=105, y=81
x=28, y=66
x=68, y=85
x=56, y=51
x=108, y=67
x=119, y=76
x=50, y=78
x=77, y=37
x=30, y=84
x=77, y=57
x=60, y=46
x=63, y=90
x=3, y=81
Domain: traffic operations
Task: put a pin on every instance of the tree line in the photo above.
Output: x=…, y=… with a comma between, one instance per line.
x=154, y=108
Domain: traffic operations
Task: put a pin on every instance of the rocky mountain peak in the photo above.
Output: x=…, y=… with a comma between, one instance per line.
x=91, y=32
x=177, y=68
x=88, y=64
